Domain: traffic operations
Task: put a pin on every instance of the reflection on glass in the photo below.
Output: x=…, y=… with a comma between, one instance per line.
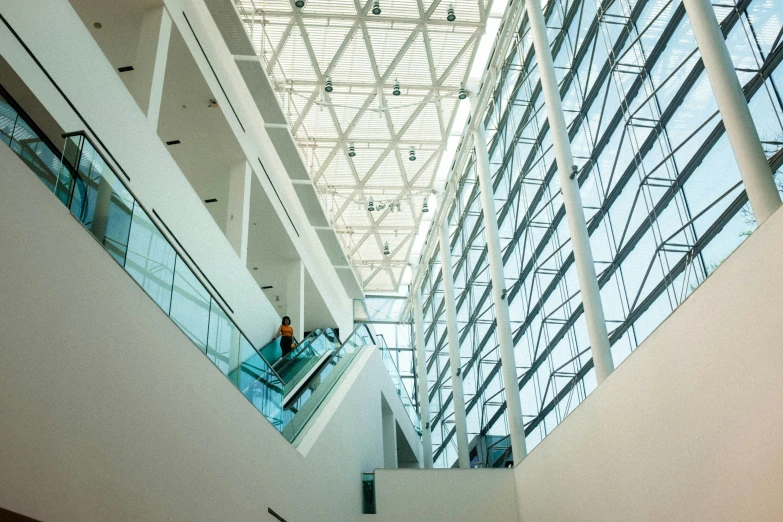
x=223, y=345
x=150, y=259
x=190, y=305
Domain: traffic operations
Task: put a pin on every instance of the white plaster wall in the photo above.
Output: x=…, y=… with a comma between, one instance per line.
x=445, y=495
x=690, y=426
x=108, y=412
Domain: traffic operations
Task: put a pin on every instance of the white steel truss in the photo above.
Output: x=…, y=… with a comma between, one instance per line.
x=411, y=44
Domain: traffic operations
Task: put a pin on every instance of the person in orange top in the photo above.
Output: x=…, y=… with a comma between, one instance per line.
x=287, y=333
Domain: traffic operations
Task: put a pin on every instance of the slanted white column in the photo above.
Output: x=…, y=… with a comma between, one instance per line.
x=580, y=240
x=145, y=82
x=295, y=283
x=460, y=417
x=507, y=358
x=100, y=215
x=238, y=219
x=753, y=166
x=421, y=370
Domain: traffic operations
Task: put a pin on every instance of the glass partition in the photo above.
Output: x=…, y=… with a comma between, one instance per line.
x=82, y=179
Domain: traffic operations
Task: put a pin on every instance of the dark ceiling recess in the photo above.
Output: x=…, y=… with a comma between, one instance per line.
x=126, y=68
x=211, y=200
x=266, y=288
x=173, y=142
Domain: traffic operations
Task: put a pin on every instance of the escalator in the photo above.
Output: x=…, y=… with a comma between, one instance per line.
x=307, y=358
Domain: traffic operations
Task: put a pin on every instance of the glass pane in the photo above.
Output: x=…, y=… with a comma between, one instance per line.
x=223, y=345
x=260, y=385
x=150, y=259
x=103, y=204
x=190, y=305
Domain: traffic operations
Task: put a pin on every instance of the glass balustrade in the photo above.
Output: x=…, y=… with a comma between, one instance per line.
x=82, y=179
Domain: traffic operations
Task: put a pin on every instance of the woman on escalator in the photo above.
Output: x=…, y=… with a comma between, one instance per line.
x=287, y=333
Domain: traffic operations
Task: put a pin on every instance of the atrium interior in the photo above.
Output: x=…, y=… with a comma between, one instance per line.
x=530, y=253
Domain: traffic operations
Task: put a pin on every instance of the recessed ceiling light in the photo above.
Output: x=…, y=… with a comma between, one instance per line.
x=255, y=268
x=97, y=25
x=173, y=142
x=127, y=68
x=211, y=200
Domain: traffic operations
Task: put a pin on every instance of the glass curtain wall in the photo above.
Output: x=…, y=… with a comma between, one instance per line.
x=663, y=199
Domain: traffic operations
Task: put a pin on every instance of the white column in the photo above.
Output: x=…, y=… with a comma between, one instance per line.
x=295, y=283
x=145, y=82
x=580, y=240
x=507, y=357
x=753, y=166
x=238, y=219
x=159, y=72
x=460, y=417
x=100, y=215
x=421, y=370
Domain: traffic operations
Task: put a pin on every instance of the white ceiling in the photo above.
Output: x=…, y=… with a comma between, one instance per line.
x=412, y=42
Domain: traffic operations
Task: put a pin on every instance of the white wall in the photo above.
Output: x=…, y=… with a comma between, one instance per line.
x=690, y=426
x=108, y=412
x=445, y=495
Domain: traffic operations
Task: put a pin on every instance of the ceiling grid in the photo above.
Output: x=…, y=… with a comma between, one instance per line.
x=364, y=55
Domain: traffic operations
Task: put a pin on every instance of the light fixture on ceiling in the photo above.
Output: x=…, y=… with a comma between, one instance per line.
x=351, y=150
x=386, y=251
x=376, y=7
x=425, y=207
x=97, y=25
x=212, y=103
x=328, y=87
x=451, y=16
x=299, y=3
x=371, y=206
x=462, y=92
x=412, y=155
x=396, y=90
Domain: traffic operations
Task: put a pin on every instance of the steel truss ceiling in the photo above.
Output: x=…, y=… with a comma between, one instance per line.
x=663, y=198
x=364, y=55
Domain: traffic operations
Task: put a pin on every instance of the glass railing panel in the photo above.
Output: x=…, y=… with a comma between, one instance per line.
x=262, y=387
x=8, y=117
x=190, y=303
x=324, y=344
x=101, y=202
x=290, y=365
x=402, y=392
x=321, y=384
x=222, y=340
x=150, y=259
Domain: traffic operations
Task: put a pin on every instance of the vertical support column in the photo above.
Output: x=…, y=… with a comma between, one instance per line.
x=295, y=283
x=460, y=417
x=572, y=199
x=753, y=166
x=145, y=82
x=238, y=219
x=234, y=357
x=100, y=216
x=507, y=358
x=421, y=370
x=159, y=71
